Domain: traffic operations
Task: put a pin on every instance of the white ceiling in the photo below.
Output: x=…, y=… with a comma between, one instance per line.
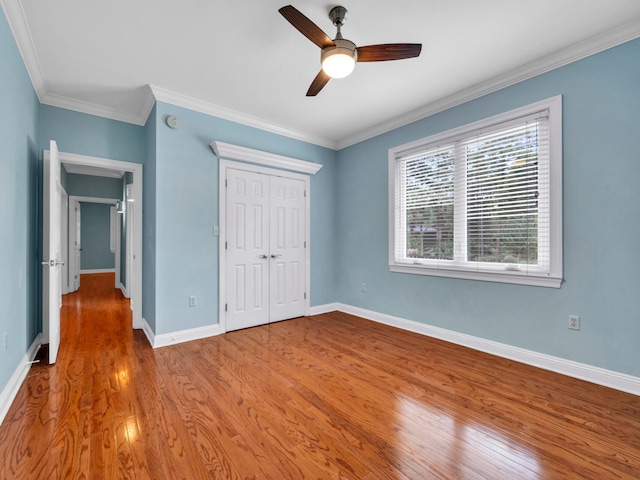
x=241, y=60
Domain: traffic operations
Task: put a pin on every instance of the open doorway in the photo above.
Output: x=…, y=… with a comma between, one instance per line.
x=131, y=202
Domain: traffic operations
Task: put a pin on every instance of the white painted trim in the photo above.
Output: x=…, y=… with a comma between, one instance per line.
x=134, y=290
x=64, y=239
x=182, y=336
x=17, y=21
x=589, y=373
x=75, y=216
x=79, y=198
x=148, y=331
x=123, y=290
x=12, y=387
x=222, y=215
x=74, y=169
x=90, y=271
x=90, y=108
x=234, y=152
x=486, y=276
x=326, y=308
x=197, y=105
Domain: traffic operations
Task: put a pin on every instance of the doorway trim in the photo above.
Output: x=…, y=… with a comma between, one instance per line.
x=258, y=162
x=135, y=169
x=73, y=199
x=64, y=240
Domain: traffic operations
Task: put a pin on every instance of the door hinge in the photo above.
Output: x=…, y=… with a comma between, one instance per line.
x=305, y=244
x=305, y=295
x=225, y=245
x=225, y=182
x=225, y=307
x=305, y=194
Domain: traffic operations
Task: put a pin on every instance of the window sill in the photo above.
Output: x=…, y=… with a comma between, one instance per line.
x=500, y=277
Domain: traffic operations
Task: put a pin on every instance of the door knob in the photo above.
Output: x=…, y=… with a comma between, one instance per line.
x=273, y=255
x=263, y=256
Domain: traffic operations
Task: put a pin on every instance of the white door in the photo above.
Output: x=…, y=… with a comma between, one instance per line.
x=265, y=254
x=74, y=245
x=287, y=248
x=248, y=256
x=51, y=288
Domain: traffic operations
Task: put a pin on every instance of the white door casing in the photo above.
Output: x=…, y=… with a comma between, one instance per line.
x=115, y=230
x=75, y=219
x=129, y=229
x=64, y=235
x=52, y=251
x=264, y=271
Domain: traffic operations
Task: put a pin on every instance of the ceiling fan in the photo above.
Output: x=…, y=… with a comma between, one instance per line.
x=339, y=56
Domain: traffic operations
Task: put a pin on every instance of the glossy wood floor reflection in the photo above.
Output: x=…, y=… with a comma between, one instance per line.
x=324, y=397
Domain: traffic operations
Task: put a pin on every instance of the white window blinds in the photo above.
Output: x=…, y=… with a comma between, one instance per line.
x=478, y=199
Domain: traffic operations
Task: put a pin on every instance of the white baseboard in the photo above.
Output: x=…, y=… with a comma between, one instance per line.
x=320, y=309
x=182, y=336
x=597, y=375
x=148, y=331
x=97, y=270
x=11, y=389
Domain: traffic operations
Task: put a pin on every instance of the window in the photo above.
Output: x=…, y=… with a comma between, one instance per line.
x=482, y=201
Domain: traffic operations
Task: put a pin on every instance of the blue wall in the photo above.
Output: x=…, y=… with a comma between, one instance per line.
x=91, y=186
x=601, y=117
x=90, y=135
x=186, y=203
x=19, y=163
x=95, y=237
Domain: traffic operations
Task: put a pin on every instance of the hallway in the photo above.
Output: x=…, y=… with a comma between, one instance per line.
x=79, y=412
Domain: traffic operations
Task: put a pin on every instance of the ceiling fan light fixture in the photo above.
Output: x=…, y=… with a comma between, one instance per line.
x=339, y=61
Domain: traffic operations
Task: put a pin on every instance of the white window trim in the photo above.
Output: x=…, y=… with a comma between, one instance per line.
x=551, y=278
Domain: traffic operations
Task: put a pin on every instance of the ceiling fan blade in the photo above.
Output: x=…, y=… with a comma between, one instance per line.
x=388, y=51
x=306, y=26
x=318, y=84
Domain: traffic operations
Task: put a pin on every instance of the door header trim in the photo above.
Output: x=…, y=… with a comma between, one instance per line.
x=243, y=154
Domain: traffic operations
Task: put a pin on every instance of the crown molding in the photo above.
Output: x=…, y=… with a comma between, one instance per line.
x=596, y=44
x=147, y=106
x=20, y=29
x=191, y=103
x=81, y=106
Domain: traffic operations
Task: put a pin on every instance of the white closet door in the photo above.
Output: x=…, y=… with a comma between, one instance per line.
x=265, y=266
x=247, y=252
x=287, y=248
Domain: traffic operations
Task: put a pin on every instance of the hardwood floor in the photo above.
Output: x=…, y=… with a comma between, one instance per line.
x=323, y=397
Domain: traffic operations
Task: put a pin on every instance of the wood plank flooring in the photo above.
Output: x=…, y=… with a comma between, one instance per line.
x=324, y=397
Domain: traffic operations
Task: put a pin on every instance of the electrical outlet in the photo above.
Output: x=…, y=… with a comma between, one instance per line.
x=192, y=301
x=363, y=287
x=574, y=322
